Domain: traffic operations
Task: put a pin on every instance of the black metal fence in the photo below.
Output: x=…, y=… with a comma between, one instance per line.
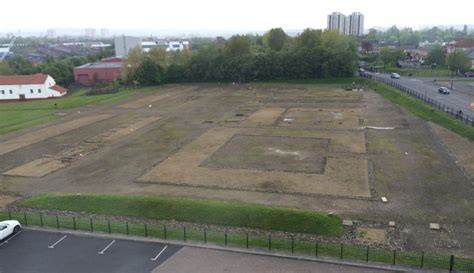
x=454, y=112
x=246, y=240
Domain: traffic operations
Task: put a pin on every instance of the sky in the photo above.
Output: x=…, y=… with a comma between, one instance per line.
x=236, y=15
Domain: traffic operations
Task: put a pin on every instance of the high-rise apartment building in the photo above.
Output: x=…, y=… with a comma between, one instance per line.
x=352, y=25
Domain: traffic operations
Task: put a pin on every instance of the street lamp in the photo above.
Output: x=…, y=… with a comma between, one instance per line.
x=454, y=66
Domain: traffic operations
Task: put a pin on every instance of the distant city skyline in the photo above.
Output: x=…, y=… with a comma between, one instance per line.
x=242, y=16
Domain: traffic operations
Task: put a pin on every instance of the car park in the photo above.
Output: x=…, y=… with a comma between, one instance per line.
x=394, y=76
x=444, y=90
x=8, y=228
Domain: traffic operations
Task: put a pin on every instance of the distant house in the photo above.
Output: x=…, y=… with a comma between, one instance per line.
x=471, y=56
x=29, y=87
x=107, y=70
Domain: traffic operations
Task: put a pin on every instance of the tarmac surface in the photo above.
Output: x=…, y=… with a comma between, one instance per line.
x=38, y=251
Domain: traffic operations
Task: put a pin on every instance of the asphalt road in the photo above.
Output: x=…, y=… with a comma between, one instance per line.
x=38, y=251
x=460, y=98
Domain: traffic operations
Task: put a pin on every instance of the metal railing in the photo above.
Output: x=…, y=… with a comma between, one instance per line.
x=268, y=242
x=454, y=112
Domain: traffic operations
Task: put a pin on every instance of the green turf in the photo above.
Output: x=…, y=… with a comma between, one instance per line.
x=19, y=115
x=422, y=110
x=193, y=210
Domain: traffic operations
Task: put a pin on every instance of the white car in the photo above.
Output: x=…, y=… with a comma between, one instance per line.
x=8, y=228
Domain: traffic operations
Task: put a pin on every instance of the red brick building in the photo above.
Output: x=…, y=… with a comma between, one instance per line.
x=107, y=70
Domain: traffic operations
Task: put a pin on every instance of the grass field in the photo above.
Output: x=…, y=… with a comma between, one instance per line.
x=193, y=210
x=18, y=115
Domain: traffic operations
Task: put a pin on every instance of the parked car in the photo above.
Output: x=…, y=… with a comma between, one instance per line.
x=469, y=74
x=8, y=228
x=394, y=76
x=444, y=90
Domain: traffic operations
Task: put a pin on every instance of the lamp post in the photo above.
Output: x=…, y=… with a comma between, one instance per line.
x=454, y=66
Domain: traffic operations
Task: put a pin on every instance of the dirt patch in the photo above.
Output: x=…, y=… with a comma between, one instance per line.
x=373, y=235
x=461, y=148
x=270, y=153
x=37, y=168
x=266, y=116
x=46, y=165
x=6, y=200
x=321, y=118
x=50, y=131
x=343, y=176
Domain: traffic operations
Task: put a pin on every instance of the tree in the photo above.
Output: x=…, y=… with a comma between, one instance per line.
x=459, y=61
x=159, y=56
x=309, y=38
x=21, y=65
x=134, y=60
x=275, y=39
x=147, y=73
x=390, y=56
x=436, y=56
x=237, y=46
x=5, y=69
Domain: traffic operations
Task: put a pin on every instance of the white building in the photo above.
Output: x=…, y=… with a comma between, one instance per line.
x=123, y=44
x=355, y=24
x=337, y=21
x=352, y=25
x=29, y=87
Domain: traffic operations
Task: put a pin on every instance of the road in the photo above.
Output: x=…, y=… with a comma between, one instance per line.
x=460, y=98
x=36, y=251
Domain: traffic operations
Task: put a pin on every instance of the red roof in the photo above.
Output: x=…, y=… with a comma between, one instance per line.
x=23, y=79
x=58, y=88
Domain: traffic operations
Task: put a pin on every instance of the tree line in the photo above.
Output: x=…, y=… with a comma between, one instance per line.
x=242, y=58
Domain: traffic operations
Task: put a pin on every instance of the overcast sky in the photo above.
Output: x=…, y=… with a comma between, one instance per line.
x=225, y=15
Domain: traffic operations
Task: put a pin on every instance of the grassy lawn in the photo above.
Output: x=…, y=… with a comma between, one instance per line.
x=422, y=110
x=193, y=210
x=18, y=115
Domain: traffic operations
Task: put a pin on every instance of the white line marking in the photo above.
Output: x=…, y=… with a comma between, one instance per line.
x=59, y=241
x=156, y=258
x=10, y=238
x=109, y=245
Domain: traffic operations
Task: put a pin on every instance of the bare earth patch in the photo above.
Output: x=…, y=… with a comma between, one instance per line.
x=373, y=235
x=266, y=116
x=343, y=176
x=323, y=118
x=46, y=165
x=6, y=200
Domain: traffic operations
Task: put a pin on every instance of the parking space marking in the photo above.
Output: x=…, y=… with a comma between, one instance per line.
x=59, y=241
x=109, y=245
x=157, y=256
x=14, y=235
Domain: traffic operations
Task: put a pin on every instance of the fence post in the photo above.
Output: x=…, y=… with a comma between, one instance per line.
x=205, y=236
x=146, y=231
x=92, y=225
x=269, y=242
x=394, y=256
x=184, y=233
x=126, y=224
x=9, y=215
x=74, y=222
x=26, y=220
x=422, y=259
x=57, y=221
x=164, y=231
x=41, y=219
x=247, y=240
x=225, y=237
x=342, y=250
x=367, y=255
x=451, y=264
x=292, y=244
x=316, y=249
